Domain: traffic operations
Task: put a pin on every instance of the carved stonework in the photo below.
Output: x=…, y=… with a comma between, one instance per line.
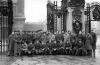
x=18, y=13
x=77, y=15
x=77, y=21
x=76, y=3
x=95, y=11
x=77, y=12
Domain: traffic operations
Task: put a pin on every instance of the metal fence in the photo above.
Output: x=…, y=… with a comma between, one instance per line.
x=6, y=22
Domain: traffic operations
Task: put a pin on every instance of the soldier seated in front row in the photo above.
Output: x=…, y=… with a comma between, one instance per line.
x=24, y=48
x=73, y=42
x=60, y=47
x=80, y=48
x=68, y=47
x=30, y=48
x=37, y=46
x=54, y=47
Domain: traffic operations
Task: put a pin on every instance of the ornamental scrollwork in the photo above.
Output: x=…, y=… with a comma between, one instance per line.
x=77, y=3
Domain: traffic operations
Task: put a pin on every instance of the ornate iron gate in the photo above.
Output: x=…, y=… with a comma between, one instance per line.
x=6, y=22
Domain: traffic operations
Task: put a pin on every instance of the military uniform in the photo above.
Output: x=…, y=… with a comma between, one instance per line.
x=68, y=47
x=24, y=48
x=80, y=47
x=88, y=44
x=11, y=47
x=94, y=42
x=37, y=45
x=73, y=42
x=59, y=37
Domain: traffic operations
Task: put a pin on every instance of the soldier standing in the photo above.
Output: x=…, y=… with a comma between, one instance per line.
x=73, y=42
x=93, y=42
x=88, y=44
x=11, y=44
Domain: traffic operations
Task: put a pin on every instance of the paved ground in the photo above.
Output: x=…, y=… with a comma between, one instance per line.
x=49, y=60
x=52, y=60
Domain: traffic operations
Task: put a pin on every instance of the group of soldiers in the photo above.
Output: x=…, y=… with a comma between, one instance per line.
x=46, y=43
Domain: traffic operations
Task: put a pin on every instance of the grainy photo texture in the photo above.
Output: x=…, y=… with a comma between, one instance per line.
x=49, y=32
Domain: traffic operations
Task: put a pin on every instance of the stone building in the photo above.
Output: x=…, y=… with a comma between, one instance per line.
x=19, y=14
x=12, y=17
x=73, y=15
x=54, y=17
x=50, y=16
x=70, y=12
x=95, y=24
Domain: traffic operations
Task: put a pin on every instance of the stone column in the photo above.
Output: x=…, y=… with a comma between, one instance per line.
x=59, y=24
x=69, y=20
x=62, y=23
x=83, y=20
x=19, y=17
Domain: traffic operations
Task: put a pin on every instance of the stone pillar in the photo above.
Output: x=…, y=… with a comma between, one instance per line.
x=62, y=29
x=19, y=17
x=83, y=20
x=69, y=20
x=59, y=24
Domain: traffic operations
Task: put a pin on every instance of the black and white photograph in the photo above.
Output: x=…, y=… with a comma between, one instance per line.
x=49, y=32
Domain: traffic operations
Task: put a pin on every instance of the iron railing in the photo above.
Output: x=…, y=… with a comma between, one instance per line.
x=6, y=21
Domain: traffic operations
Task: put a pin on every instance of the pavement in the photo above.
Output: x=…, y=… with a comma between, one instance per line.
x=50, y=60
x=53, y=59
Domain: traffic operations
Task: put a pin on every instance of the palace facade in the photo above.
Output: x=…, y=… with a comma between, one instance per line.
x=72, y=15
x=19, y=14
x=12, y=17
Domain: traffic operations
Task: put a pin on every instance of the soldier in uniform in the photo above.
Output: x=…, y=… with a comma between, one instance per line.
x=94, y=42
x=80, y=47
x=49, y=46
x=30, y=48
x=37, y=46
x=62, y=47
x=24, y=48
x=83, y=37
x=84, y=41
x=11, y=44
x=68, y=47
x=54, y=44
x=59, y=37
x=88, y=44
x=73, y=42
